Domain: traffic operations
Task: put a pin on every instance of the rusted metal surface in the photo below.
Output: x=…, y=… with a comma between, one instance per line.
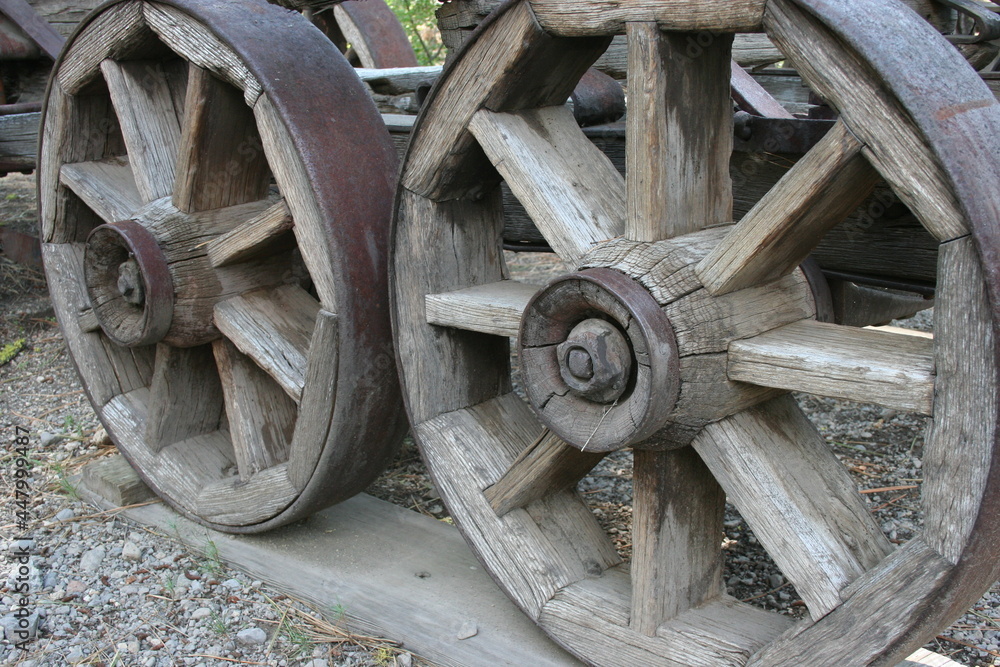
x=37, y=28
x=382, y=30
x=795, y=136
x=597, y=99
x=343, y=144
x=14, y=44
x=21, y=248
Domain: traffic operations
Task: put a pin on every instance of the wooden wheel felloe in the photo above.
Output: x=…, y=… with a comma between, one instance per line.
x=214, y=242
x=731, y=329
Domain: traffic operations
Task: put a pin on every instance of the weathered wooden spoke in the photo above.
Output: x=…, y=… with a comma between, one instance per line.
x=681, y=337
x=216, y=270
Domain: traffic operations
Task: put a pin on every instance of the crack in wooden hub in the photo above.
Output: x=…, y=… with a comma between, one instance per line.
x=599, y=360
x=129, y=283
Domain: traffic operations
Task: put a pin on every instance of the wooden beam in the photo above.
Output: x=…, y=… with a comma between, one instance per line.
x=495, y=308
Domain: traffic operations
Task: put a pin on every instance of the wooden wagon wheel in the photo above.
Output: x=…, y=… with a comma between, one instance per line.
x=679, y=335
x=214, y=240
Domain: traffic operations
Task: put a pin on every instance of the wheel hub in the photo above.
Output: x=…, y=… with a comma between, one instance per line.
x=129, y=283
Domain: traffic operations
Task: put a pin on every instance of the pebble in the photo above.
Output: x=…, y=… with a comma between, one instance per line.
x=50, y=439
x=200, y=613
x=131, y=552
x=65, y=515
x=468, y=629
x=251, y=637
x=319, y=662
x=92, y=559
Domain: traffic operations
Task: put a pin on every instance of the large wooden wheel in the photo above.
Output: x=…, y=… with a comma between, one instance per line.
x=214, y=239
x=679, y=335
x=369, y=33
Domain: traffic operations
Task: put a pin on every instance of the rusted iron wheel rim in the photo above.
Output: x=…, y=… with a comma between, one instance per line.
x=215, y=186
x=912, y=113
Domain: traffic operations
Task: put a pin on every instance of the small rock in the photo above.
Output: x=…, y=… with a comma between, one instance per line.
x=76, y=586
x=65, y=515
x=75, y=655
x=251, y=637
x=130, y=551
x=404, y=660
x=50, y=439
x=468, y=629
x=319, y=662
x=91, y=560
x=100, y=438
x=232, y=584
x=776, y=580
x=203, y=612
x=20, y=628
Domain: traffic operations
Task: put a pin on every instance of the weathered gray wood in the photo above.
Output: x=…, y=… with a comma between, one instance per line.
x=397, y=80
x=546, y=466
x=145, y=107
x=751, y=96
x=120, y=29
x=957, y=454
x=495, y=308
x=477, y=446
x=892, y=142
x=811, y=520
x=889, y=369
x=107, y=369
x=592, y=615
x=64, y=15
x=678, y=134
x=272, y=327
x=318, y=395
x=861, y=306
x=495, y=79
x=106, y=186
x=677, y=512
x=19, y=140
x=196, y=43
x=899, y=587
x=261, y=416
x=185, y=396
x=116, y=481
x=456, y=368
x=570, y=189
x=608, y=17
x=238, y=502
x=258, y=236
x=749, y=50
x=221, y=160
x=826, y=185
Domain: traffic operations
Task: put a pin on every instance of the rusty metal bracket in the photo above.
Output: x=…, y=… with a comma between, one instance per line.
x=986, y=23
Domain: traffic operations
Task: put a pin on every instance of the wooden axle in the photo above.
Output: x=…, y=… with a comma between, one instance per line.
x=633, y=350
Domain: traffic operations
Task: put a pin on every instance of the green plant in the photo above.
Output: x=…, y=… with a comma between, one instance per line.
x=11, y=350
x=417, y=17
x=64, y=483
x=211, y=562
x=218, y=624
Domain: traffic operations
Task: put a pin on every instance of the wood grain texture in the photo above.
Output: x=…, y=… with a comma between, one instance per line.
x=751, y=96
x=318, y=396
x=106, y=186
x=196, y=43
x=236, y=502
x=272, y=327
x=107, y=370
x=570, y=189
x=514, y=65
x=608, y=17
x=145, y=107
x=888, y=369
x=261, y=416
x=893, y=143
x=115, y=480
x=546, y=466
x=749, y=50
x=780, y=231
x=678, y=134
x=860, y=305
x=495, y=308
x=221, y=160
x=258, y=236
x=677, y=515
x=185, y=396
x=593, y=614
x=442, y=247
x=798, y=498
x=866, y=625
x=470, y=449
x=959, y=449
x=117, y=31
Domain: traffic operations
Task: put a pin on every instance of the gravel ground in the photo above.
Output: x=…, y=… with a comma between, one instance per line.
x=106, y=592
